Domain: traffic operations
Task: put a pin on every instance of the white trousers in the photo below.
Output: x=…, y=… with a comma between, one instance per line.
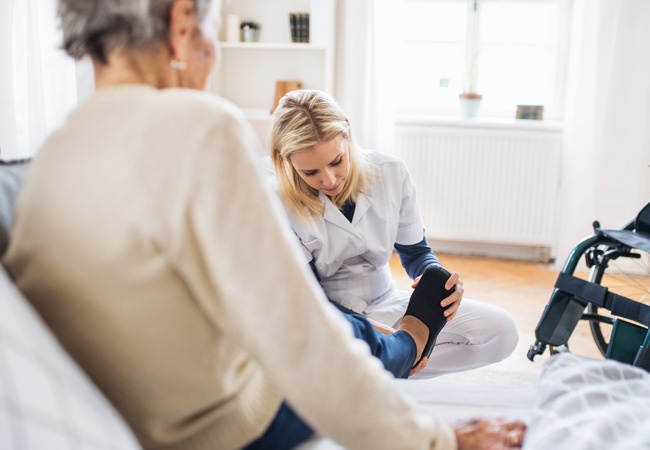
x=480, y=334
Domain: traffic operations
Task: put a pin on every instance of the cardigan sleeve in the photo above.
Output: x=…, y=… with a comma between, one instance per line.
x=251, y=280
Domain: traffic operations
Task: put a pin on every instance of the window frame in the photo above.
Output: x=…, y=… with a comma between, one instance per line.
x=552, y=111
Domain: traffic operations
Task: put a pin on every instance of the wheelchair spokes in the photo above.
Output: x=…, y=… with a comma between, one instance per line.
x=622, y=270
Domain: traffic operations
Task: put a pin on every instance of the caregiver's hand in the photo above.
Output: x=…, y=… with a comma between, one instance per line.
x=454, y=299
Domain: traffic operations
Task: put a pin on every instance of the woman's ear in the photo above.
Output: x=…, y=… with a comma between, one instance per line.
x=182, y=23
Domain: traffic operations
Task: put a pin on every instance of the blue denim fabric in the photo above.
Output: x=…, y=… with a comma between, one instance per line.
x=396, y=351
x=285, y=432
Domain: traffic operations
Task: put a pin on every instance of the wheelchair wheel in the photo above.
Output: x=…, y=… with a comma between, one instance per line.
x=623, y=271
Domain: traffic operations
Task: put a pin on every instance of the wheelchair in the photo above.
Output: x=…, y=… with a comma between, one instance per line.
x=615, y=296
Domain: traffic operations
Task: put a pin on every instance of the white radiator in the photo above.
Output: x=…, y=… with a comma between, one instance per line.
x=490, y=185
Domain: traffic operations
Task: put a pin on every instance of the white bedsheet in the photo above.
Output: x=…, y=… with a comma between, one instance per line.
x=588, y=404
x=455, y=401
x=579, y=404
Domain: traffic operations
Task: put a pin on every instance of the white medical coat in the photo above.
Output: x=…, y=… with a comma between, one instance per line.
x=352, y=258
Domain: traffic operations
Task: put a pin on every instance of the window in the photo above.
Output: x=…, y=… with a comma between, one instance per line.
x=509, y=51
x=37, y=83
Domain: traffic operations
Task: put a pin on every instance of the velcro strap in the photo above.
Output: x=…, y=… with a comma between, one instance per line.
x=582, y=289
x=624, y=307
x=599, y=295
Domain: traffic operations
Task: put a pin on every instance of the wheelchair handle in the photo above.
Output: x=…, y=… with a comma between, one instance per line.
x=595, y=224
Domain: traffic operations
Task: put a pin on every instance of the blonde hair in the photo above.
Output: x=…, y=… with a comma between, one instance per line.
x=303, y=119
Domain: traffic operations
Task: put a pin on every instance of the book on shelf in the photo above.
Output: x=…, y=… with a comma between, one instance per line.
x=281, y=88
x=299, y=25
x=305, y=28
x=293, y=26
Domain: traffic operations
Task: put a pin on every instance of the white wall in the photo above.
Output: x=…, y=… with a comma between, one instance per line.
x=607, y=146
x=606, y=155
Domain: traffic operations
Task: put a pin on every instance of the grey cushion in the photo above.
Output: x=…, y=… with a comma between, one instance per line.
x=12, y=175
x=46, y=400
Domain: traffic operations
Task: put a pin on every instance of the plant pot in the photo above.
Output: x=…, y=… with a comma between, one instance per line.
x=470, y=104
x=249, y=34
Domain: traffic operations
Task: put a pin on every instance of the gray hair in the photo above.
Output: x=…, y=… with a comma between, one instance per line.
x=95, y=27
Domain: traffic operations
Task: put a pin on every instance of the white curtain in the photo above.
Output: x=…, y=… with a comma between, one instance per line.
x=606, y=173
x=364, y=53
x=37, y=80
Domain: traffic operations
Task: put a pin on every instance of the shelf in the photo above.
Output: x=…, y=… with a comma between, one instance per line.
x=248, y=71
x=480, y=122
x=248, y=78
x=269, y=46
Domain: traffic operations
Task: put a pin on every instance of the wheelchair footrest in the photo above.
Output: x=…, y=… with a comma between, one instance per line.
x=559, y=318
x=625, y=341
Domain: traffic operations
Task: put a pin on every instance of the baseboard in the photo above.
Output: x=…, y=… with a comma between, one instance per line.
x=505, y=251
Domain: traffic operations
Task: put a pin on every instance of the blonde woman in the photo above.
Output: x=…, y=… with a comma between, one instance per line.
x=351, y=208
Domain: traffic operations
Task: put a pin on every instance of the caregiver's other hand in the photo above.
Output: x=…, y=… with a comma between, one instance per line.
x=453, y=301
x=489, y=434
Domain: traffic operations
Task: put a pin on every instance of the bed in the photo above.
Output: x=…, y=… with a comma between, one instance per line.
x=579, y=403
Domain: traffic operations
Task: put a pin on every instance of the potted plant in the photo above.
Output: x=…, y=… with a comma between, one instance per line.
x=249, y=31
x=470, y=99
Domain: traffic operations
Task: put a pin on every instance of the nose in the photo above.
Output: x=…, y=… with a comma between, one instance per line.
x=329, y=179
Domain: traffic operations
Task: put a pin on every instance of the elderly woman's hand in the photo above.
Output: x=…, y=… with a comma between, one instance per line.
x=489, y=434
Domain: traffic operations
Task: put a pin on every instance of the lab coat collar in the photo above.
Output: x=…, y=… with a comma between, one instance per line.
x=363, y=205
x=333, y=215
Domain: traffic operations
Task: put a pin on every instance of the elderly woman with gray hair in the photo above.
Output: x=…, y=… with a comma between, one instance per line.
x=138, y=238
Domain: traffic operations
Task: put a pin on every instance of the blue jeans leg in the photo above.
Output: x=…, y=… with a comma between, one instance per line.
x=396, y=351
x=285, y=432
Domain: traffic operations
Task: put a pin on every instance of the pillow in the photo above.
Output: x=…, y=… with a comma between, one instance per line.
x=12, y=174
x=584, y=403
x=46, y=400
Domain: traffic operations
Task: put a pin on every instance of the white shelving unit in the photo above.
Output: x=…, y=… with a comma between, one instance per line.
x=247, y=72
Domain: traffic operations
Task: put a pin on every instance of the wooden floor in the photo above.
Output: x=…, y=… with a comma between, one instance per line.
x=521, y=287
